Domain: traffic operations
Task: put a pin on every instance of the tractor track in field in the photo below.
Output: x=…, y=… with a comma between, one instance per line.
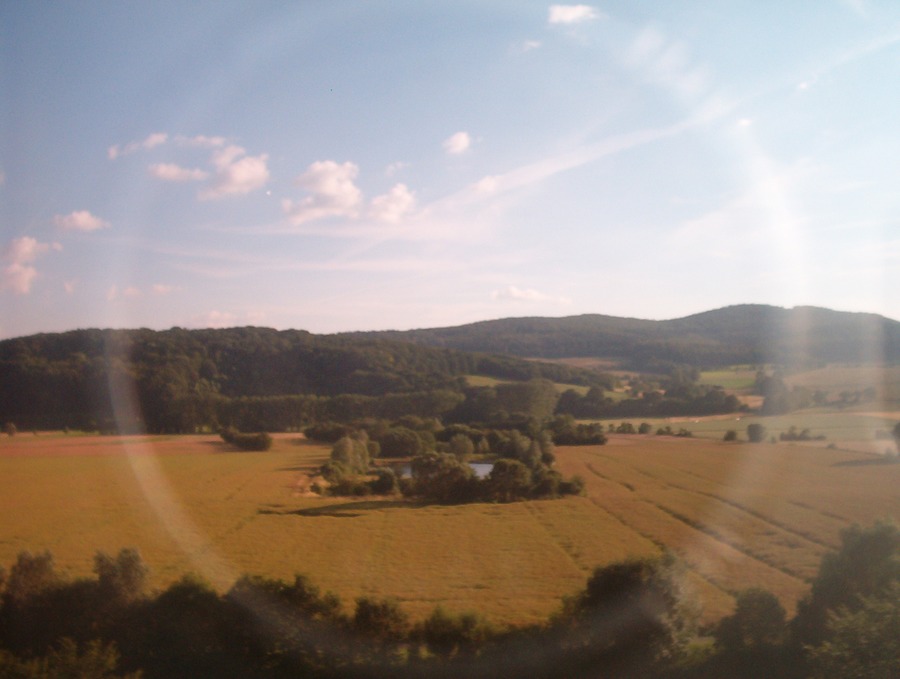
x=565, y=546
x=756, y=514
x=705, y=527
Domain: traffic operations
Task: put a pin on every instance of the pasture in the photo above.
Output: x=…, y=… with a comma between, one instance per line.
x=738, y=515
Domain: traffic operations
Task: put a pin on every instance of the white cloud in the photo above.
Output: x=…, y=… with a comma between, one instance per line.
x=80, y=220
x=571, y=14
x=153, y=140
x=69, y=286
x=112, y=293
x=19, y=254
x=457, y=143
x=236, y=173
x=515, y=294
x=131, y=291
x=333, y=192
x=162, y=289
x=394, y=205
x=171, y=172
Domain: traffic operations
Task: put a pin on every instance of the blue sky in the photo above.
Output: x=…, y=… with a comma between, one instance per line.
x=375, y=165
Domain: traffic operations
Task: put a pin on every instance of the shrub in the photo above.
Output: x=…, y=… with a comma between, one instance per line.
x=730, y=435
x=257, y=442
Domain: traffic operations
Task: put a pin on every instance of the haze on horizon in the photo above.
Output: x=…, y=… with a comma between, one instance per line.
x=374, y=165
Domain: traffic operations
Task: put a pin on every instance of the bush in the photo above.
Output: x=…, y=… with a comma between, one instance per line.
x=573, y=486
x=10, y=429
x=257, y=442
x=730, y=435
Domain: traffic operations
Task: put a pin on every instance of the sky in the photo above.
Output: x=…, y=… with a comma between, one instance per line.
x=350, y=165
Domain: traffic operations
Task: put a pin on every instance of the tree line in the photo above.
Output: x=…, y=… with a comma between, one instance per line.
x=632, y=619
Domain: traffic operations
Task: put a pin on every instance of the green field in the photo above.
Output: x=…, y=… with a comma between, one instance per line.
x=738, y=515
x=734, y=378
x=486, y=381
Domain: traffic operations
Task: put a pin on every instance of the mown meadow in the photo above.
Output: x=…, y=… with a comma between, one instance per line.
x=737, y=514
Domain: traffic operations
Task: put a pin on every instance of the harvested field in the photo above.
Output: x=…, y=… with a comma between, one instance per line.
x=738, y=515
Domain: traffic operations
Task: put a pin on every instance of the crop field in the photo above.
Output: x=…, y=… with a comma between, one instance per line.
x=737, y=515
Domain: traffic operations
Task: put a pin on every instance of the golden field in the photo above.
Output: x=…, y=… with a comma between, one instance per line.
x=737, y=514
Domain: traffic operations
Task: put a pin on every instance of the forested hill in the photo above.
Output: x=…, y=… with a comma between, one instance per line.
x=737, y=334
x=176, y=376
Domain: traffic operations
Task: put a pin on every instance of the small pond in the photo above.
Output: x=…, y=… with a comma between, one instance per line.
x=481, y=469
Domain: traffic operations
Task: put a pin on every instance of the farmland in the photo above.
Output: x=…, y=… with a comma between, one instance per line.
x=737, y=515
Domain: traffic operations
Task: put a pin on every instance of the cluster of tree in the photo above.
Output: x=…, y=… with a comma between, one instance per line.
x=522, y=467
x=632, y=619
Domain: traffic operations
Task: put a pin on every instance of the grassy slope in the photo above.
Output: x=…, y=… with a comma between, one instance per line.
x=739, y=515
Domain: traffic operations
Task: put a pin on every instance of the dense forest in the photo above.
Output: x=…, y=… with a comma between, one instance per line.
x=632, y=619
x=743, y=334
x=181, y=381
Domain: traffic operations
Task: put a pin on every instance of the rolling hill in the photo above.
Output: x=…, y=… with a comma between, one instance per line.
x=731, y=335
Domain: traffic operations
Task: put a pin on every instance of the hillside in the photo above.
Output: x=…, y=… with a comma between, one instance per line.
x=176, y=380
x=737, y=334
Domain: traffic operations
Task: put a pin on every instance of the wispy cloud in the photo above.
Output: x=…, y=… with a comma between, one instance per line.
x=457, y=143
x=80, y=220
x=202, y=141
x=858, y=7
x=170, y=172
x=516, y=294
x=666, y=62
x=572, y=14
x=395, y=168
x=527, y=46
x=18, y=272
x=545, y=168
x=153, y=140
